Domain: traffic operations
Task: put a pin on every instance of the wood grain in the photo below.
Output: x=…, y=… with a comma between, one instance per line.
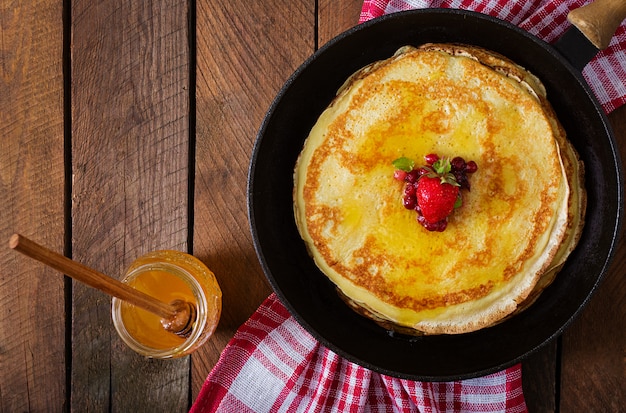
x=130, y=166
x=245, y=52
x=594, y=347
x=539, y=379
x=32, y=313
x=335, y=17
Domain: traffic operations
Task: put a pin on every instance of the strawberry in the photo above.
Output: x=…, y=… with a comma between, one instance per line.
x=437, y=194
x=437, y=191
x=433, y=191
x=436, y=198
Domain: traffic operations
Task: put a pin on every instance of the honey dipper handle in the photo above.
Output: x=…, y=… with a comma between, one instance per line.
x=599, y=20
x=91, y=277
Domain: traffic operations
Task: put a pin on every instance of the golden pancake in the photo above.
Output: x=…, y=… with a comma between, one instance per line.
x=573, y=166
x=518, y=218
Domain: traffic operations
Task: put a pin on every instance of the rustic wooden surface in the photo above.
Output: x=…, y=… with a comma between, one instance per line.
x=127, y=127
x=32, y=306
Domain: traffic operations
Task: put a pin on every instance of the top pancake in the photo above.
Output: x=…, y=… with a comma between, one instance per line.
x=439, y=99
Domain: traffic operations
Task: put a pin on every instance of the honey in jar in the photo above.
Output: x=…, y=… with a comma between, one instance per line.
x=168, y=276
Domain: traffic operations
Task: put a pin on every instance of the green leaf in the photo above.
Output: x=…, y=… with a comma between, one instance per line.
x=459, y=201
x=404, y=164
x=442, y=166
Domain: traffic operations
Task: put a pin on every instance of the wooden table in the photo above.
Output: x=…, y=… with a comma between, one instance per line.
x=127, y=126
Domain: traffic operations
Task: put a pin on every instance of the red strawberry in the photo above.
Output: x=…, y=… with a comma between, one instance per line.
x=435, y=198
x=433, y=191
x=437, y=192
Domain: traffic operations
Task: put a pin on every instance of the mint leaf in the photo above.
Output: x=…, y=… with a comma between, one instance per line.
x=404, y=164
x=459, y=201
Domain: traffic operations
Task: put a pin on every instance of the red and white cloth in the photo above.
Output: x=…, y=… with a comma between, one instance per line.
x=546, y=19
x=273, y=365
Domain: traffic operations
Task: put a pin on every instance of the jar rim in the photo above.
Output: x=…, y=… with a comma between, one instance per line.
x=201, y=312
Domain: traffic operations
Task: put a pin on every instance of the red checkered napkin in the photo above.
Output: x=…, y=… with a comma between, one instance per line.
x=546, y=19
x=273, y=365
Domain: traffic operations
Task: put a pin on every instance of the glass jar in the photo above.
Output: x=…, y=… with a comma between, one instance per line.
x=168, y=275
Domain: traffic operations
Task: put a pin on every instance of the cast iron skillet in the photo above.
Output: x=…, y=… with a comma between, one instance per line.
x=312, y=299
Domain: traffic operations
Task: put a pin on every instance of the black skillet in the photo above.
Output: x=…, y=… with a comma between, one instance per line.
x=312, y=299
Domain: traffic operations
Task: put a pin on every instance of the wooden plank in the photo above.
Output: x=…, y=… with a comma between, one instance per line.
x=130, y=164
x=539, y=379
x=32, y=321
x=336, y=17
x=245, y=52
x=593, y=365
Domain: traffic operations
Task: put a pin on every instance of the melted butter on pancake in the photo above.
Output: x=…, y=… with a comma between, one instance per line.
x=348, y=209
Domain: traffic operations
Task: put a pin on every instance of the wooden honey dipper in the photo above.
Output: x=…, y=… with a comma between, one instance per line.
x=177, y=317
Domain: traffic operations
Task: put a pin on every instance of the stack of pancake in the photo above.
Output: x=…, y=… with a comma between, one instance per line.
x=501, y=248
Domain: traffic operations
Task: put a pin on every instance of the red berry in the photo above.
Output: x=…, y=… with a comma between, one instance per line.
x=471, y=167
x=461, y=178
x=409, y=201
x=431, y=158
x=438, y=226
x=458, y=164
x=422, y=220
x=399, y=174
x=441, y=225
x=409, y=189
x=423, y=171
x=412, y=176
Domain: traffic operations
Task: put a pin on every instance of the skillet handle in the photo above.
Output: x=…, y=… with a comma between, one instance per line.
x=599, y=20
